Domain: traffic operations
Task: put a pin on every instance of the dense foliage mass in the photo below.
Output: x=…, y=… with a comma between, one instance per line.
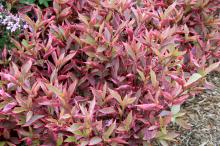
x=105, y=72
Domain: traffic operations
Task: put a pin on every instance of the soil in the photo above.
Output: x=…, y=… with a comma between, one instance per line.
x=203, y=113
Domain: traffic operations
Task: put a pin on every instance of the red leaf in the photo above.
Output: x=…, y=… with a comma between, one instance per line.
x=177, y=79
x=118, y=140
x=33, y=119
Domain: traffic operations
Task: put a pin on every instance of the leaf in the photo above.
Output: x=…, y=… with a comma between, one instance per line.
x=129, y=100
x=65, y=12
x=153, y=78
x=62, y=1
x=28, y=20
x=151, y=106
x=15, y=69
x=109, y=132
x=128, y=121
x=8, y=77
x=212, y=67
x=118, y=140
x=59, y=140
x=83, y=18
x=68, y=57
x=175, y=109
x=2, y=143
x=9, y=106
x=53, y=76
x=170, y=136
x=177, y=79
x=26, y=67
x=18, y=110
x=95, y=141
x=129, y=51
x=104, y=90
x=70, y=139
x=141, y=74
x=44, y=2
x=55, y=90
x=92, y=106
x=7, y=124
x=101, y=49
x=33, y=119
x=167, y=96
x=65, y=116
x=29, y=115
x=89, y=40
x=195, y=77
x=107, y=34
x=72, y=88
x=75, y=128
x=115, y=95
x=16, y=43
x=163, y=142
x=84, y=143
x=26, y=1
x=107, y=110
x=169, y=10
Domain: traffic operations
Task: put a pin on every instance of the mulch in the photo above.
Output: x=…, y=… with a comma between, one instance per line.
x=203, y=114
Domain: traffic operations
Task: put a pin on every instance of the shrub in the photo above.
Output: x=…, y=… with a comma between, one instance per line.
x=106, y=72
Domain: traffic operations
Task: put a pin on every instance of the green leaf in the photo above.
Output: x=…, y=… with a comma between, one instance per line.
x=175, y=109
x=26, y=1
x=89, y=40
x=95, y=141
x=141, y=74
x=75, y=128
x=115, y=95
x=70, y=139
x=25, y=43
x=129, y=100
x=109, y=132
x=18, y=110
x=55, y=90
x=128, y=121
x=153, y=78
x=130, y=51
x=2, y=143
x=60, y=140
x=195, y=77
x=44, y=2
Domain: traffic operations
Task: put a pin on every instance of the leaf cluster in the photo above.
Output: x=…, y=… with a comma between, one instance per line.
x=115, y=72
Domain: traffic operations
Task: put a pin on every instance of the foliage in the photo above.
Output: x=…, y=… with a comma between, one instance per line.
x=39, y=2
x=93, y=72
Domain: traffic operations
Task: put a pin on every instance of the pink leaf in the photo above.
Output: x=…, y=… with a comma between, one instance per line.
x=151, y=106
x=177, y=79
x=9, y=106
x=26, y=67
x=33, y=119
